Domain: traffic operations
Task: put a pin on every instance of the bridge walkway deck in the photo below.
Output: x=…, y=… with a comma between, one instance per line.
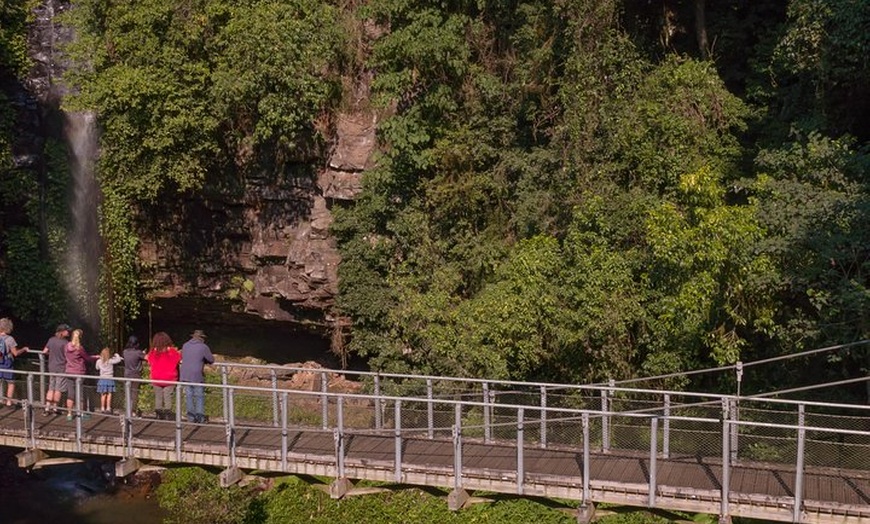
x=687, y=483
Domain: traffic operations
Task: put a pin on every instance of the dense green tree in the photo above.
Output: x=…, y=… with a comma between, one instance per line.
x=812, y=199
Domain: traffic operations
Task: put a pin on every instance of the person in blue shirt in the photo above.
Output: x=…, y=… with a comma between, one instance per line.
x=195, y=354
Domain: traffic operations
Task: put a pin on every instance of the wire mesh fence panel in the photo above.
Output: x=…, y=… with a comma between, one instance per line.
x=253, y=407
x=833, y=450
x=629, y=433
x=693, y=438
x=774, y=447
x=564, y=428
x=695, y=408
x=415, y=416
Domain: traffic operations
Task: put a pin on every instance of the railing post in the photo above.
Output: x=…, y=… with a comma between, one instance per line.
x=284, y=439
x=734, y=416
x=79, y=414
x=666, y=428
x=224, y=391
x=275, y=416
x=653, y=460
x=231, y=427
x=520, y=440
x=487, y=433
x=339, y=438
x=324, y=400
x=379, y=423
x=724, y=511
x=430, y=410
x=398, y=434
x=128, y=415
x=605, y=417
x=30, y=414
x=543, y=416
x=42, y=357
x=799, y=467
x=178, y=388
x=457, y=447
x=586, y=454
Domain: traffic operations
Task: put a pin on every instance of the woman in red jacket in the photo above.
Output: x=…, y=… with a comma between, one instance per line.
x=163, y=359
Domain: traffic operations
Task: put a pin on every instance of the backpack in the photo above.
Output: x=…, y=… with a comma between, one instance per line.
x=5, y=354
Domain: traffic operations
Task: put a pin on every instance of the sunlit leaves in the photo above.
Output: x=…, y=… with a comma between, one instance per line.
x=680, y=118
x=270, y=60
x=703, y=263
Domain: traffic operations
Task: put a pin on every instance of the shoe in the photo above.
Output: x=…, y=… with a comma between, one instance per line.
x=46, y=413
x=69, y=417
x=85, y=416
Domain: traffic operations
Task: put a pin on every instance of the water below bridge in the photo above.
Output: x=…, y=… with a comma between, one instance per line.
x=75, y=493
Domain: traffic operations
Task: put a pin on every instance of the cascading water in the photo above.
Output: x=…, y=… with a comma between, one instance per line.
x=84, y=246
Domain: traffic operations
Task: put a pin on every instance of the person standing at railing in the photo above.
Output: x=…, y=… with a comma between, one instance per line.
x=163, y=357
x=55, y=348
x=133, y=359
x=195, y=354
x=76, y=364
x=8, y=351
x=106, y=384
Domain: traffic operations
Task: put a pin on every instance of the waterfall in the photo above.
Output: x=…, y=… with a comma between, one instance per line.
x=84, y=246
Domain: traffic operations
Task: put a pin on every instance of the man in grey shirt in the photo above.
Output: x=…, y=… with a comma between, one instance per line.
x=54, y=348
x=195, y=354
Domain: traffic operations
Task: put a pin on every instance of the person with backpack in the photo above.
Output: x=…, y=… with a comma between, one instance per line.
x=8, y=351
x=134, y=356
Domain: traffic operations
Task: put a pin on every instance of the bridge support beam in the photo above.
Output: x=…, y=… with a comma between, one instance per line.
x=340, y=487
x=230, y=476
x=29, y=457
x=585, y=513
x=725, y=519
x=126, y=467
x=456, y=499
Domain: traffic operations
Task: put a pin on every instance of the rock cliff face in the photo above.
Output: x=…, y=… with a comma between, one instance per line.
x=35, y=98
x=265, y=247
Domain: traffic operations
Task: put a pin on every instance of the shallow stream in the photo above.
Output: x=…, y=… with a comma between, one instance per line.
x=77, y=493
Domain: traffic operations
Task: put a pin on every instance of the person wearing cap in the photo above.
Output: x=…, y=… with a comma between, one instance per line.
x=7, y=358
x=195, y=354
x=54, y=348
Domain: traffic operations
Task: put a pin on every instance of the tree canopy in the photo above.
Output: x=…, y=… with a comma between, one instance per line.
x=567, y=190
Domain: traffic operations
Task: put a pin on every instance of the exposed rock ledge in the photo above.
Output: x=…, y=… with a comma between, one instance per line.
x=269, y=248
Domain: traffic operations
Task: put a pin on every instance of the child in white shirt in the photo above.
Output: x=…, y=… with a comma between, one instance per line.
x=105, y=384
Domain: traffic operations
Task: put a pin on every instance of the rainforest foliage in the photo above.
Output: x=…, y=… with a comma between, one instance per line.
x=565, y=190
x=194, y=496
